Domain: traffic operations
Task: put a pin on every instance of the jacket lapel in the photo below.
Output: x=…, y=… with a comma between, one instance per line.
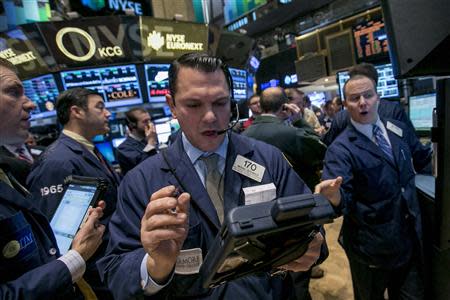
x=233, y=182
x=89, y=157
x=363, y=142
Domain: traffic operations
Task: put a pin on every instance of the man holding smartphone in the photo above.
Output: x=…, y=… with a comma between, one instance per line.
x=142, y=141
x=29, y=263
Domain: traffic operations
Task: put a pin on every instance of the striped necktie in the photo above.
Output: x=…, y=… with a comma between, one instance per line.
x=381, y=141
x=213, y=184
x=21, y=155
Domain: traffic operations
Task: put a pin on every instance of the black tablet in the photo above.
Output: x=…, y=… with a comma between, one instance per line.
x=261, y=237
x=80, y=194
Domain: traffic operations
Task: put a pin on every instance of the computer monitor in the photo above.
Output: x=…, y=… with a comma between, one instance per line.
x=387, y=84
x=239, y=77
x=43, y=92
x=106, y=149
x=421, y=111
x=157, y=81
x=163, y=131
x=370, y=40
x=119, y=85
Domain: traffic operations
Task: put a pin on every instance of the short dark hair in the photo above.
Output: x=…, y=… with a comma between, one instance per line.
x=362, y=70
x=69, y=98
x=130, y=116
x=272, y=100
x=8, y=65
x=199, y=61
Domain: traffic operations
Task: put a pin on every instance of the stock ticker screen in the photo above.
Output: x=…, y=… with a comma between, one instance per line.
x=370, y=40
x=387, y=84
x=43, y=92
x=157, y=79
x=119, y=85
x=239, y=84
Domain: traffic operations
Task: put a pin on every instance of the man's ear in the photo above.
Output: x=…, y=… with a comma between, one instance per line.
x=76, y=112
x=171, y=102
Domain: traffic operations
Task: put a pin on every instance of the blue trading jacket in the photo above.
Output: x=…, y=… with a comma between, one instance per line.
x=121, y=264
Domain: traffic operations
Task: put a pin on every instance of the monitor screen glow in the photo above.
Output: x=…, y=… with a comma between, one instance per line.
x=43, y=92
x=239, y=84
x=421, y=111
x=157, y=78
x=119, y=85
x=387, y=84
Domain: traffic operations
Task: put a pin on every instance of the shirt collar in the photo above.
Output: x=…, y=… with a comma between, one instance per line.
x=135, y=137
x=367, y=129
x=194, y=153
x=80, y=139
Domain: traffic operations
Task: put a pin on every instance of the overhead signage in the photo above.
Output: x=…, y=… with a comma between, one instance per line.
x=162, y=39
x=88, y=41
x=17, y=48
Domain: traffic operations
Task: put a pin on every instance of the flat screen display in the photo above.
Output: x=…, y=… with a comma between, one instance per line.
x=239, y=84
x=370, y=40
x=157, y=78
x=387, y=84
x=106, y=149
x=118, y=85
x=43, y=92
x=421, y=111
x=163, y=130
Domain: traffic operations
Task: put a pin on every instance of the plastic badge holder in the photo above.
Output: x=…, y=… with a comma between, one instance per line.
x=261, y=237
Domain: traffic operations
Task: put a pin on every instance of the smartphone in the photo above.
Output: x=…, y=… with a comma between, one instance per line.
x=80, y=193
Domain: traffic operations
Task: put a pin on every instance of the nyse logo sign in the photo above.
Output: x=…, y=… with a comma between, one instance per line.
x=124, y=4
x=79, y=36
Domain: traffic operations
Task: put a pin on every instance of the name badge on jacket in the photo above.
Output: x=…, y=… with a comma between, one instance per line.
x=189, y=261
x=248, y=168
x=395, y=129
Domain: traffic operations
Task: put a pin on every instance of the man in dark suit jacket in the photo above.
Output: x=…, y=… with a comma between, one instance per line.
x=142, y=141
x=83, y=114
x=31, y=266
x=303, y=150
x=382, y=231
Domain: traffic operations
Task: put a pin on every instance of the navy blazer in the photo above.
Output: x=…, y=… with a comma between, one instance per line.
x=33, y=272
x=382, y=220
x=121, y=264
x=63, y=158
x=130, y=153
x=386, y=109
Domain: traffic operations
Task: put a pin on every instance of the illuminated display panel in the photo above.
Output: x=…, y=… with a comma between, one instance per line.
x=387, y=84
x=43, y=92
x=370, y=40
x=239, y=84
x=118, y=85
x=421, y=111
x=157, y=81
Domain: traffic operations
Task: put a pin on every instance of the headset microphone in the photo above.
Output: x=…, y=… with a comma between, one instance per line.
x=233, y=123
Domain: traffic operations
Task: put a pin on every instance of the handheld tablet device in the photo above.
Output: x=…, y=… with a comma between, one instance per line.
x=80, y=193
x=261, y=237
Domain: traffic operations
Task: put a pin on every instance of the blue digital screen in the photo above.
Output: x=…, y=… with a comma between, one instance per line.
x=43, y=92
x=270, y=83
x=106, y=149
x=239, y=84
x=119, y=85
